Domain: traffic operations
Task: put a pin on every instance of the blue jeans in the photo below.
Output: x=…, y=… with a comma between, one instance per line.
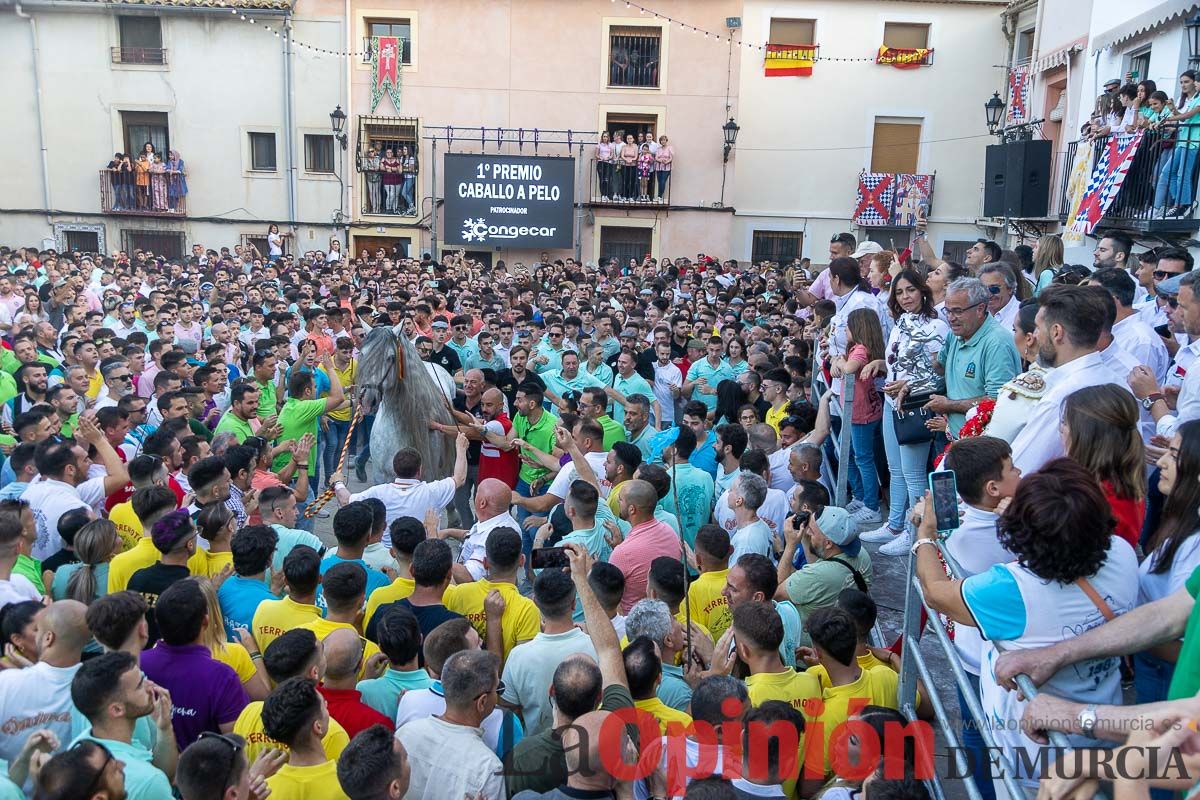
x=334, y=437
x=1151, y=677
x=662, y=178
x=972, y=742
x=406, y=191
x=1175, y=178
x=302, y=523
x=864, y=478
x=908, y=464
x=522, y=514
x=363, y=435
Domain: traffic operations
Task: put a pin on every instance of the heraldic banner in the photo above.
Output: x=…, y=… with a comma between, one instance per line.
x=788, y=60
x=1105, y=183
x=876, y=199
x=385, y=70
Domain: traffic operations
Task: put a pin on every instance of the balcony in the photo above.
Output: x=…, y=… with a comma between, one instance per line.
x=139, y=55
x=617, y=185
x=1163, y=173
x=164, y=196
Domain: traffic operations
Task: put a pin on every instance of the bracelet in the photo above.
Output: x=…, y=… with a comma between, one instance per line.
x=255, y=656
x=338, y=484
x=301, y=466
x=917, y=544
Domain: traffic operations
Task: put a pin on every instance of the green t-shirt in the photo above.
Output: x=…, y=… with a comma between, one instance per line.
x=32, y=569
x=68, y=427
x=267, y=400
x=613, y=431
x=234, y=424
x=540, y=436
x=297, y=418
x=1186, y=680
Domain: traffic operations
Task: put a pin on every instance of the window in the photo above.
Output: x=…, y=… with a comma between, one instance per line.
x=620, y=124
x=793, y=31
x=383, y=134
x=1139, y=66
x=624, y=243
x=906, y=35
x=139, y=127
x=162, y=243
x=262, y=152
x=778, y=246
x=141, y=41
x=82, y=241
x=896, y=145
x=318, y=152
x=259, y=243
x=401, y=28
x=895, y=239
x=633, y=53
x=1025, y=45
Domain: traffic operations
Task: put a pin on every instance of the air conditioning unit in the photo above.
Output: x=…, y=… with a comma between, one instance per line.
x=366, y=50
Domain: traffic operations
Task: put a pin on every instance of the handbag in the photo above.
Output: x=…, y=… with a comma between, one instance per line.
x=909, y=420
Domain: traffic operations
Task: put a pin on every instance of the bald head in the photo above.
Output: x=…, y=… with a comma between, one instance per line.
x=343, y=651
x=639, y=496
x=577, y=686
x=66, y=623
x=492, y=498
x=762, y=437
x=493, y=395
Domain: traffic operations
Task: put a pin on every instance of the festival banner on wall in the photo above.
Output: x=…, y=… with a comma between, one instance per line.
x=904, y=57
x=1106, y=181
x=1077, y=183
x=913, y=195
x=385, y=70
x=1018, y=90
x=876, y=196
x=789, y=60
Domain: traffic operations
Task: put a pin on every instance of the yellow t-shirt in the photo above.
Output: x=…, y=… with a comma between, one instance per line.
x=866, y=661
x=208, y=564
x=797, y=689
x=323, y=627
x=274, y=617
x=663, y=713
x=249, y=726
x=708, y=606
x=95, y=384
x=129, y=527
x=774, y=417
x=121, y=568
x=398, y=589
x=238, y=658
x=521, y=621
x=307, y=783
x=875, y=687
x=346, y=377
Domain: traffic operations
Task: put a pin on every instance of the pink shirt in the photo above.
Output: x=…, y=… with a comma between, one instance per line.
x=642, y=545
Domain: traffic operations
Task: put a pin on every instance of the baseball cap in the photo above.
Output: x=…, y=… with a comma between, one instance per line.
x=629, y=333
x=866, y=249
x=440, y=323
x=695, y=343
x=172, y=530
x=837, y=526
x=1112, y=82
x=1169, y=287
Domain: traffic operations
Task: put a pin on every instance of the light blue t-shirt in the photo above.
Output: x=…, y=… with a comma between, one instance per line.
x=980, y=366
x=375, y=578
x=143, y=780
x=288, y=539
x=690, y=499
x=464, y=350
x=791, y=631
x=705, y=455
x=560, y=385
x=673, y=689
x=239, y=598
x=553, y=358
x=713, y=375
x=754, y=538
x=633, y=385
x=58, y=589
x=602, y=372
x=383, y=693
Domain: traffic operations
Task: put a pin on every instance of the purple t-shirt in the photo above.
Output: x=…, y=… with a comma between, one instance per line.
x=204, y=692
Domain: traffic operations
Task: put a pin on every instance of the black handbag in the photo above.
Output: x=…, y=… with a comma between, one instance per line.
x=910, y=418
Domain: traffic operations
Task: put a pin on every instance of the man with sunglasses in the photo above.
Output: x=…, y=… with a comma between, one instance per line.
x=87, y=770
x=112, y=693
x=1158, y=266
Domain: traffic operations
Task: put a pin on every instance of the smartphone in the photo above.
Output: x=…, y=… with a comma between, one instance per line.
x=1163, y=331
x=944, y=489
x=550, y=558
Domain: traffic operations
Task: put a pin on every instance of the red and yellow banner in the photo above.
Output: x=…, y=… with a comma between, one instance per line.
x=385, y=66
x=789, y=60
x=904, y=57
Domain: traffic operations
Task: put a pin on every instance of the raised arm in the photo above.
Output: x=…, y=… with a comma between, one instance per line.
x=117, y=475
x=336, y=394
x=599, y=626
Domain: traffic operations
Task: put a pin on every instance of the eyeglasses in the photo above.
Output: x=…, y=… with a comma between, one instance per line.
x=993, y=289
x=108, y=757
x=126, y=377
x=958, y=312
x=555, y=335
x=235, y=747
x=1163, y=275
x=498, y=690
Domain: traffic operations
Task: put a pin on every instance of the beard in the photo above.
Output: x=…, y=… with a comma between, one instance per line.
x=1047, y=354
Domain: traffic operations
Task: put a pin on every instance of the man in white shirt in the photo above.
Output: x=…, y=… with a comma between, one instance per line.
x=493, y=498
x=1070, y=321
x=408, y=495
x=774, y=509
x=668, y=383
x=1131, y=333
x=63, y=483
x=1001, y=284
x=1145, y=385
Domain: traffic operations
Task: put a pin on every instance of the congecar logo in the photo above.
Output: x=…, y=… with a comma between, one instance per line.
x=477, y=230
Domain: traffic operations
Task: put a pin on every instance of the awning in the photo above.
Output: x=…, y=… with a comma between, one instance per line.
x=1058, y=58
x=1165, y=11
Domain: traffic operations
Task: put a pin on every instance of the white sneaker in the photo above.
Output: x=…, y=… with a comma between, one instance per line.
x=854, y=505
x=865, y=516
x=880, y=534
x=898, y=546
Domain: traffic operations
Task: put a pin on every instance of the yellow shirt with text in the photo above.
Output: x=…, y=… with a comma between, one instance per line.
x=520, y=623
x=129, y=527
x=875, y=687
x=275, y=617
x=249, y=726
x=663, y=713
x=708, y=606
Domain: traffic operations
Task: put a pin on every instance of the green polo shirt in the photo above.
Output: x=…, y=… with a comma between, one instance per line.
x=714, y=375
x=613, y=431
x=633, y=385
x=234, y=424
x=978, y=366
x=268, y=400
x=539, y=436
x=1186, y=680
x=297, y=418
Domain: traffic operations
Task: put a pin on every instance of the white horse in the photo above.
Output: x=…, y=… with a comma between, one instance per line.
x=404, y=406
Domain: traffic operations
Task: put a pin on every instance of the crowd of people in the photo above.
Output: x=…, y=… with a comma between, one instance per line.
x=639, y=578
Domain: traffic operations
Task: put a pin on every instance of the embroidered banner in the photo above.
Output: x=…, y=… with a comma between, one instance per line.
x=913, y=194
x=789, y=60
x=876, y=196
x=1077, y=183
x=385, y=70
x=1018, y=104
x=1106, y=181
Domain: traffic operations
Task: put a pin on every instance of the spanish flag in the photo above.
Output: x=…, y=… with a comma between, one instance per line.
x=788, y=60
x=904, y=57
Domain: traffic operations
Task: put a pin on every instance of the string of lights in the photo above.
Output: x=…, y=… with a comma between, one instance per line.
x=716, y=36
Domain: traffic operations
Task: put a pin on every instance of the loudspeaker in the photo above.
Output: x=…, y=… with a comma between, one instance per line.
x=1017, y=180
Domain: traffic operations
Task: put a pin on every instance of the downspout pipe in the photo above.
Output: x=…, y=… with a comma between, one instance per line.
x=289, y=112
x=41, y=114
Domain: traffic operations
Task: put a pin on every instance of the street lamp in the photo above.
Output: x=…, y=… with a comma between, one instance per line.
x=1192, y=26
x=730, y=129
x=994, y=109
x=338, y=120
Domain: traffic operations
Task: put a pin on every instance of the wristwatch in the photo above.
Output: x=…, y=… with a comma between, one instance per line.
x=1087, y=721
x=1151, y=399
x=917, y=545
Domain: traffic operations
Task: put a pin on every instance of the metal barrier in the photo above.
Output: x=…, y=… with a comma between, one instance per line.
x=912, y=659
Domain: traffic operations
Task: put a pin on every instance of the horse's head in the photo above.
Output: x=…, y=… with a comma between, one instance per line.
x=376, y=368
